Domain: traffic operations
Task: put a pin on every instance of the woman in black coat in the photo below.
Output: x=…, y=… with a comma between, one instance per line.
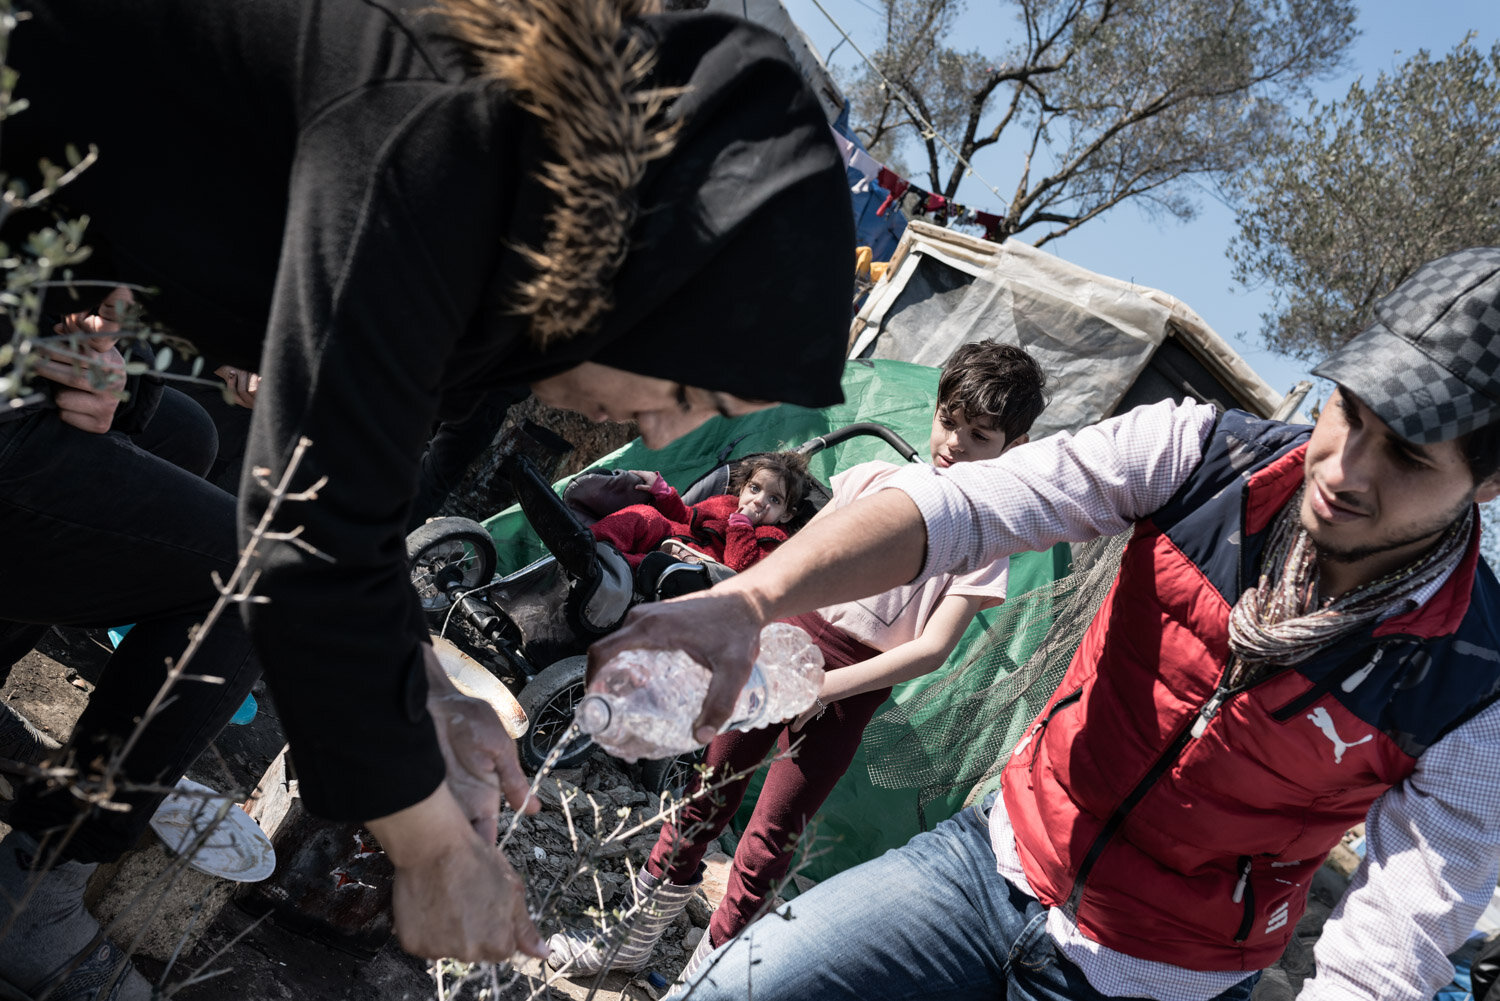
x=386, y=208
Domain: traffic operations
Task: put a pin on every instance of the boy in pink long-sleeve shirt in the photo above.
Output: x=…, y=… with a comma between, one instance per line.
x=988, y=397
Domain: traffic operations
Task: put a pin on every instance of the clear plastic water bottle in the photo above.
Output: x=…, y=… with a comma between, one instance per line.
x=645, y=701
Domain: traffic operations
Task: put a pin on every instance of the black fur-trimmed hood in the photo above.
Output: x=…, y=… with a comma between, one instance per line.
x=701, y=228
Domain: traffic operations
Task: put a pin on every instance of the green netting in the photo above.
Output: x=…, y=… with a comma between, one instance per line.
x=992, y=689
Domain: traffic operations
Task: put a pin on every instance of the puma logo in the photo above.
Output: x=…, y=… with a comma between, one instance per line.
x=1324, y=722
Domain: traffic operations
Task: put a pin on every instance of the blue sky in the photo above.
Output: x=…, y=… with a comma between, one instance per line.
x=1188, y=260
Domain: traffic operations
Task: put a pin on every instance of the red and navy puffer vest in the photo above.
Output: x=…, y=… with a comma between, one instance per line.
x=1182, y=822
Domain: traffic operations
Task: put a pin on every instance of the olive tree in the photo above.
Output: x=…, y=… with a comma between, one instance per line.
x=1362, y=190
x=1093, y=102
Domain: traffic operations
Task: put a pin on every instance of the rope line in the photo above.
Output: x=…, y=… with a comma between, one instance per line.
x=931, y=131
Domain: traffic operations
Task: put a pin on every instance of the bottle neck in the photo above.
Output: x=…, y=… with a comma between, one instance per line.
x=593, y=714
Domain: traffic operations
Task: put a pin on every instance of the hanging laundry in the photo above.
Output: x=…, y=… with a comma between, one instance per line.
x=869, y=170
x=865, y=172
x=914, y=202
x=866, y=168
x=991, y=224
x=845, y=144
x=893, y=183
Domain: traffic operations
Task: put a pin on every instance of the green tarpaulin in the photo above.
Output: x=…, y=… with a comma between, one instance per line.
x=861, y=819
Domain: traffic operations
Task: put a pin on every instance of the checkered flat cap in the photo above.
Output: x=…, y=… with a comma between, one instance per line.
x=1429, y=364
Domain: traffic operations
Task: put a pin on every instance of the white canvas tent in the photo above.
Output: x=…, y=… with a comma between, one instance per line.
x=1106, y=345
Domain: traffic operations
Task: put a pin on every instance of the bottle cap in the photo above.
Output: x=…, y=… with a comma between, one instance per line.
x=593, y=714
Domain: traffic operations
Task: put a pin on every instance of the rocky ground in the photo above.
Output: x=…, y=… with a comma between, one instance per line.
x=199, y=924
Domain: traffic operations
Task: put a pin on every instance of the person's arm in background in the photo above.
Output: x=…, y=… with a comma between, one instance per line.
x=240, y=385
x=1432, y=857
x=1062, y=488
x=382, y=270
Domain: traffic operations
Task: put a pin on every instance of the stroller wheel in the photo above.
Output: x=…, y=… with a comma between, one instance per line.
x=549, y=700
x=446, y=552
x=671, y=775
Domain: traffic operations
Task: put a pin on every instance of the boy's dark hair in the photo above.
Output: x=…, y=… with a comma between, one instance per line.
x=1481, y=450
x=790, y=466
x=994, y=382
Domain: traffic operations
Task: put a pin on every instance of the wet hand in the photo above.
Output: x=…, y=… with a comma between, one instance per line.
x=455, y=895
x=480, y=756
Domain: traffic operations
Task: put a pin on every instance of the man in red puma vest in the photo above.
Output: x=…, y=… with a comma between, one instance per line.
x=1301, y=636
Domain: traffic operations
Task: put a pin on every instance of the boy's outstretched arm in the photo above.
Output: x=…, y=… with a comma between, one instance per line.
x=870, y=546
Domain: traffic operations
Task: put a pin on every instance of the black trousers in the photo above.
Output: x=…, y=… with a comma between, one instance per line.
x=104, y=530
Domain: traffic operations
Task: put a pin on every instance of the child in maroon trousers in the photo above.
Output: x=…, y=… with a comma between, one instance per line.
x=735, y=529
x=988, y=397
x=794, y=790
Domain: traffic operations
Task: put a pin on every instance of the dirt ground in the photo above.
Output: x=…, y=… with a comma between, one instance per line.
x=268, y=961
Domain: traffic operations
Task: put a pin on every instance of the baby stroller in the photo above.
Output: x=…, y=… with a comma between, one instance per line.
x=533, y=627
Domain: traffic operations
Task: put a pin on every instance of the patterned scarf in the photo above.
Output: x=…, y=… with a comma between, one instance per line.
x=1279, y=622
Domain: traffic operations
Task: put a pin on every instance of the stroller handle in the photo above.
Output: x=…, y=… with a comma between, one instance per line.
x=815, y=445
x=552, y=520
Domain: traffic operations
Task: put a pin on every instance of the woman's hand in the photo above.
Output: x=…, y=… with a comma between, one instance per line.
x=455, y=894
x=480, y=755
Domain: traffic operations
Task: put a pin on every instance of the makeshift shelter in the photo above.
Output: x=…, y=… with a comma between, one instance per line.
x=1106, y=345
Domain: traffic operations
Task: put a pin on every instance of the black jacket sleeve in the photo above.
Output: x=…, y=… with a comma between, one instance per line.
x=390, y=240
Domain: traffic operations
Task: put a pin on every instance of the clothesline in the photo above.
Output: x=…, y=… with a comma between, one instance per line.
x=912, y=200
x=929, y=130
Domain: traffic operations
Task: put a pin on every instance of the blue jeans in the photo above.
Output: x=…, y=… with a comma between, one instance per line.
x=932, y=919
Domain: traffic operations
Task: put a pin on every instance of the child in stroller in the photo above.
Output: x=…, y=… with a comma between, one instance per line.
x=528, y=622
x=988, y=396
x=672, y=545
